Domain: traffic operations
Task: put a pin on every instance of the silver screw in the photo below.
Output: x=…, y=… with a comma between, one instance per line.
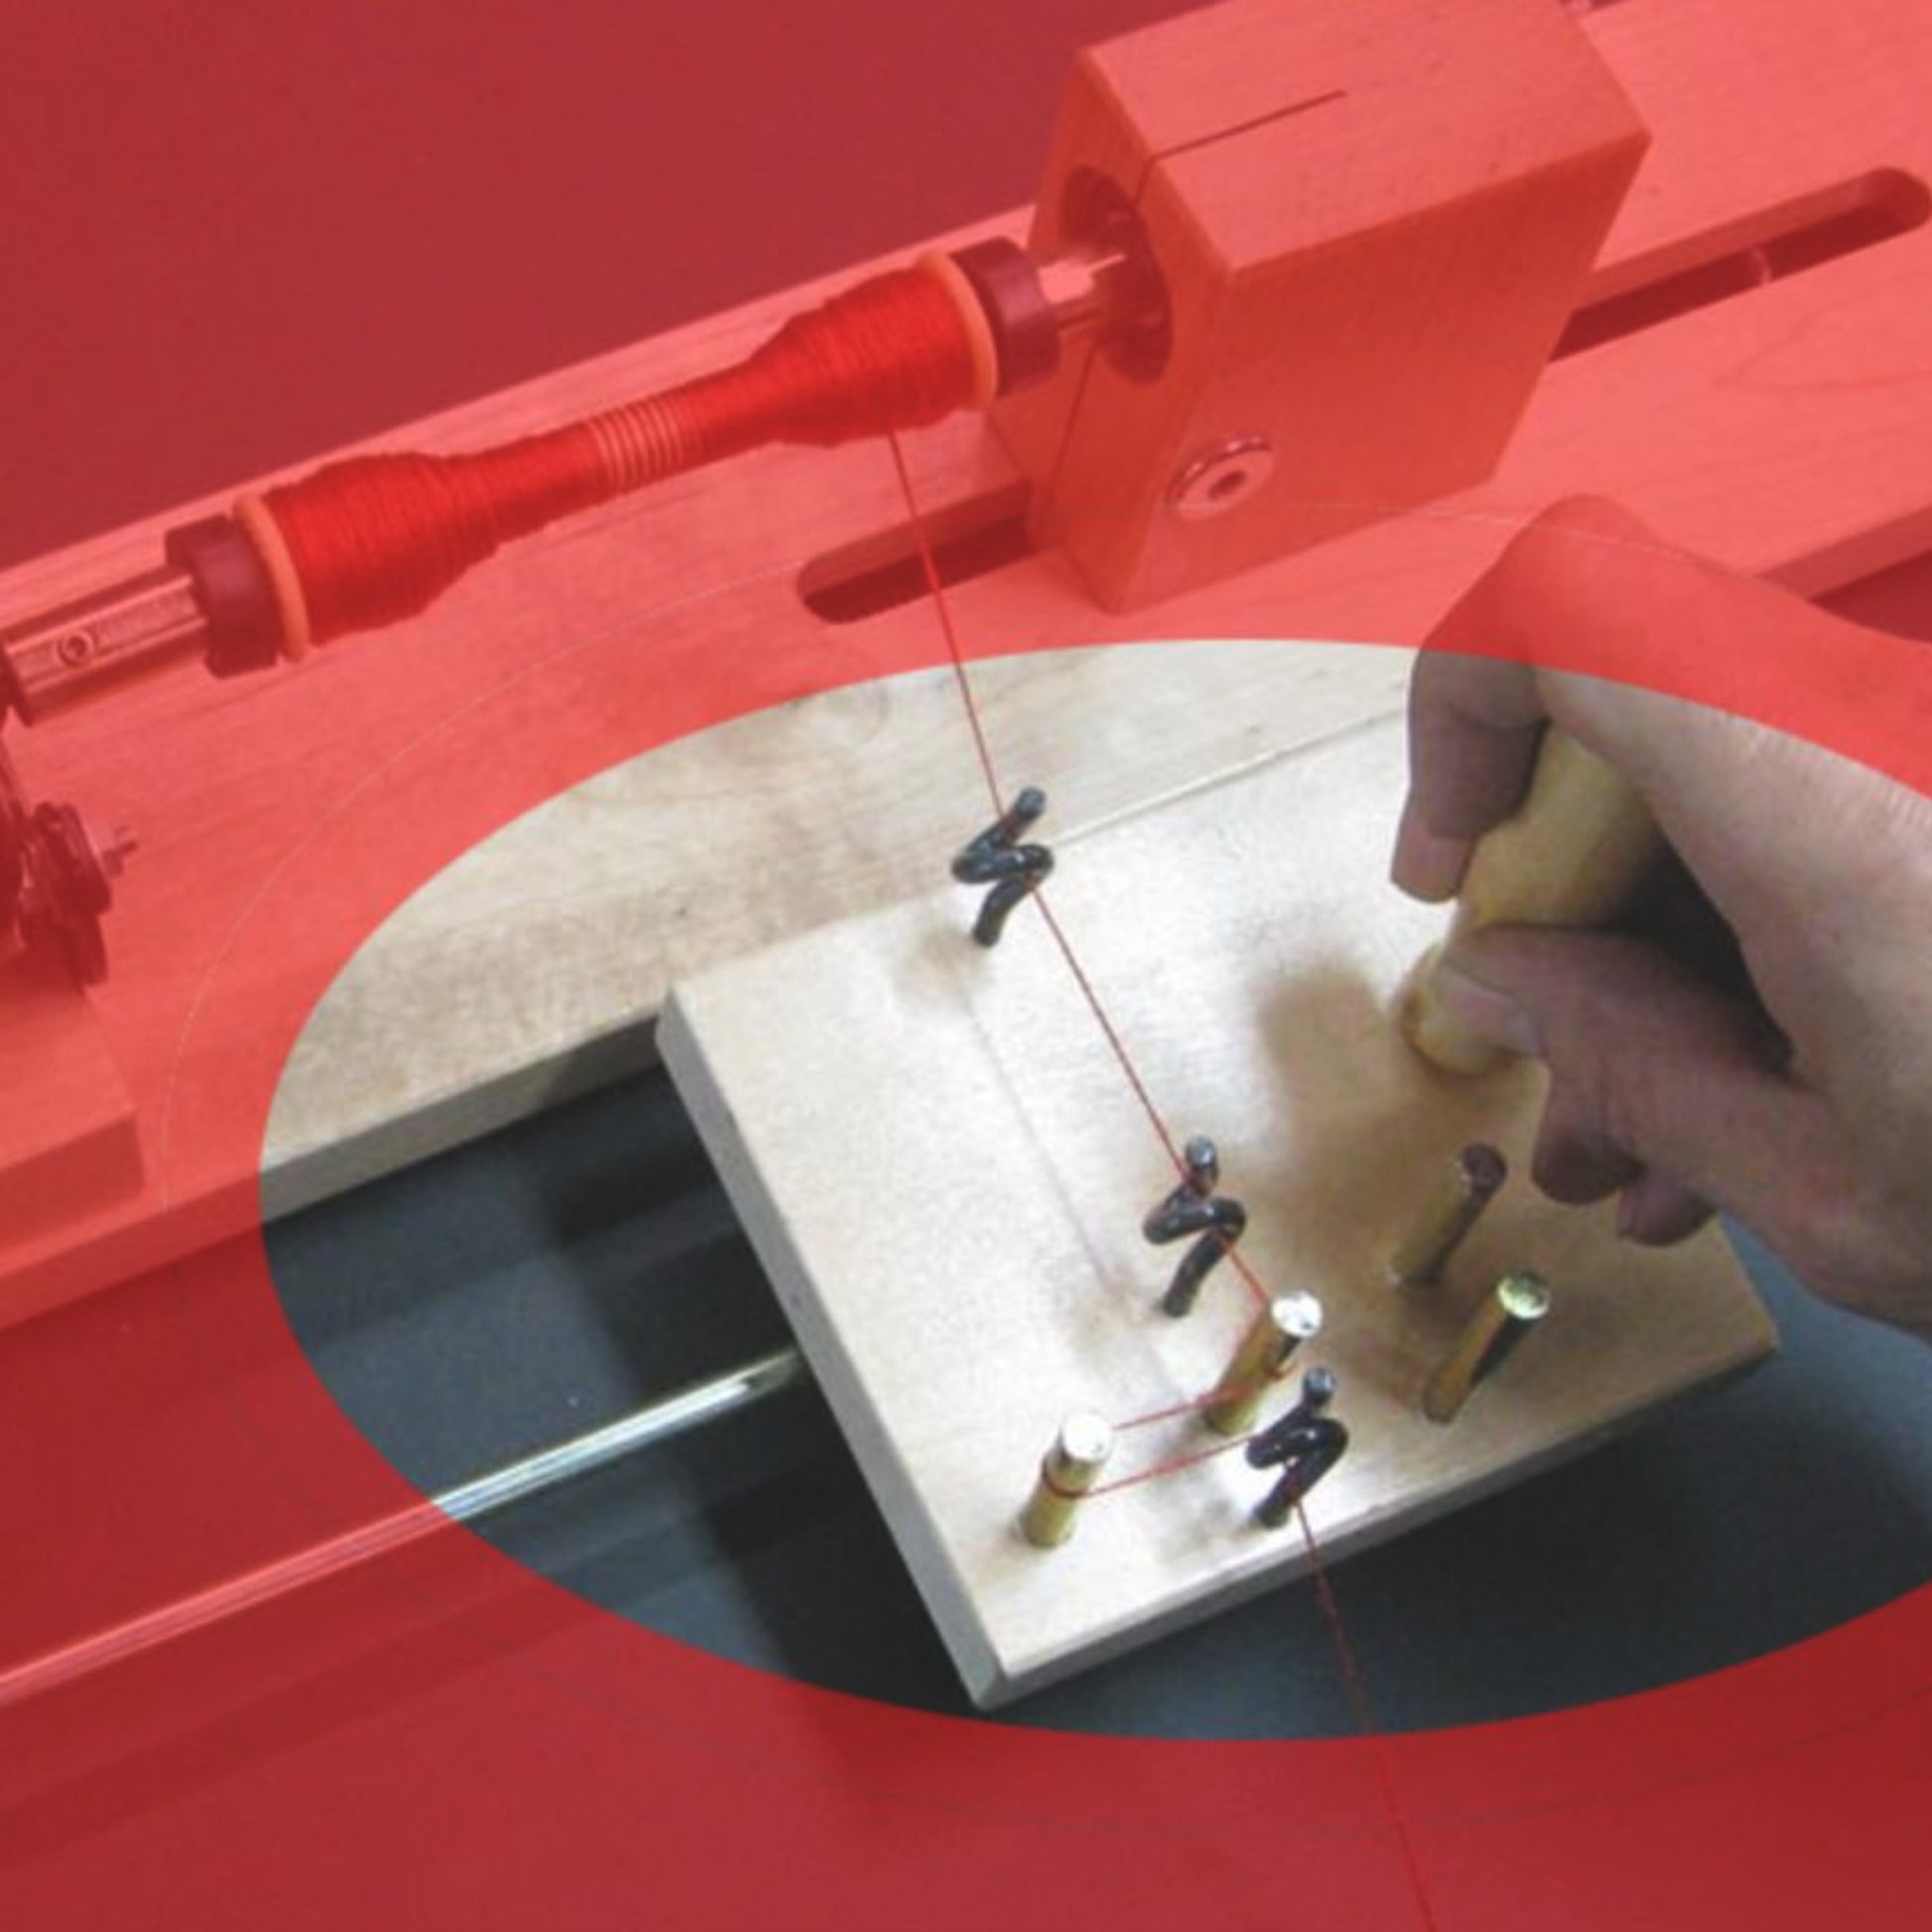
x=1228, y=473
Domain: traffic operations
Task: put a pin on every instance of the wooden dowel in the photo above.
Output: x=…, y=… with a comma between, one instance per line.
x=1573, y=856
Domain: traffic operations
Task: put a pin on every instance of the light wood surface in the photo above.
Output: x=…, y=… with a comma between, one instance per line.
x=945, y=1172
x=1784, y=430
x=67, y=1124
x=590, y=903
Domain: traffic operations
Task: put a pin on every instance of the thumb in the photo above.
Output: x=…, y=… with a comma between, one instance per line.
x=1648, y=1065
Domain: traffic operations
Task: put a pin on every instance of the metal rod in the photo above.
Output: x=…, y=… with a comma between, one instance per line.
x=61, y=658
x=1082, y=289
x=469, y=1502
x=690, y=1408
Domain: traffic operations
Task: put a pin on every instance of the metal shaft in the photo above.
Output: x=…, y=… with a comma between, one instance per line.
x=67, y=657
x=469, y=1502
x=1448, y=1215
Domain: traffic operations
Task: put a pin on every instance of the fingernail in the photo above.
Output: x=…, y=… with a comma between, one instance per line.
x=1491, y=1015
x=1426, y=865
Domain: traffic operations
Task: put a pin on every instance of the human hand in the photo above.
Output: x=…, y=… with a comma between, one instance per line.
x=1795, y=1094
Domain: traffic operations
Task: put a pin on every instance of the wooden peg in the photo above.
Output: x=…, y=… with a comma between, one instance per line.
x=1573, y=856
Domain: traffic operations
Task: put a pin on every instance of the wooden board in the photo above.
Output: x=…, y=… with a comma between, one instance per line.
x=68, y=1138
x=1783, y=430
x=571, y=922
x=944, y=1172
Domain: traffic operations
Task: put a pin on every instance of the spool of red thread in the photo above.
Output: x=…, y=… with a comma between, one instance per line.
x=373, y=539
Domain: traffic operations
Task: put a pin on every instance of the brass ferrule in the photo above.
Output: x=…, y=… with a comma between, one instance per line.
x=1263, y=1356
x=1502, y=1319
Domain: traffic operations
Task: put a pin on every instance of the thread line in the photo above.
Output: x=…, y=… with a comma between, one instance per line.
x=956, y=658
x=1368, y=1723
x=1171, y=1467
x=1354, y=1679
x=1193, y=1404
x=935, y=588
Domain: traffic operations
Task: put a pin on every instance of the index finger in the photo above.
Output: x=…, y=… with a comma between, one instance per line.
x=1588, y=584
x=1474, y=724
x=1478, y=706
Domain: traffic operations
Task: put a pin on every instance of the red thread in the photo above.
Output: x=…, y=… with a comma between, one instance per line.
x=985, y=754
x=378, y=538
x=1169, y=1468
x=1195, y=1403
x=987, y=768
x=1233, y=1255
x=1354, y=1681
x=1368, y=1723
x=1192, y=1407
x=930, y=568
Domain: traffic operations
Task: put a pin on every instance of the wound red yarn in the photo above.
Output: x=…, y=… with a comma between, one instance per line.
x=378, y=538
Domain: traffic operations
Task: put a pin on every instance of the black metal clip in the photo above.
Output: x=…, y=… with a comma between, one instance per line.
x=1306, y=1443
x=997, y=859
x=1196, y=1208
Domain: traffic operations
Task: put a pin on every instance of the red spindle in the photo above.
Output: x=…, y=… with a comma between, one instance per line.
x=378, y=538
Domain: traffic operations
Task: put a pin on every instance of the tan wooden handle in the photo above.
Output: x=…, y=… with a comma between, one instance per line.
x=1573, y=856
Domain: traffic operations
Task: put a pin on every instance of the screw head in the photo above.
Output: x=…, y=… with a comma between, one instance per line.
x=1220, y=478
x=75, y=648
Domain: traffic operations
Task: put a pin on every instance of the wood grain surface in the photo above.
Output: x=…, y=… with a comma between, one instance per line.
x=944, y=1172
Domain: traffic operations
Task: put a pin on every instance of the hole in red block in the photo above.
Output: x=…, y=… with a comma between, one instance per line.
x=969, y=539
